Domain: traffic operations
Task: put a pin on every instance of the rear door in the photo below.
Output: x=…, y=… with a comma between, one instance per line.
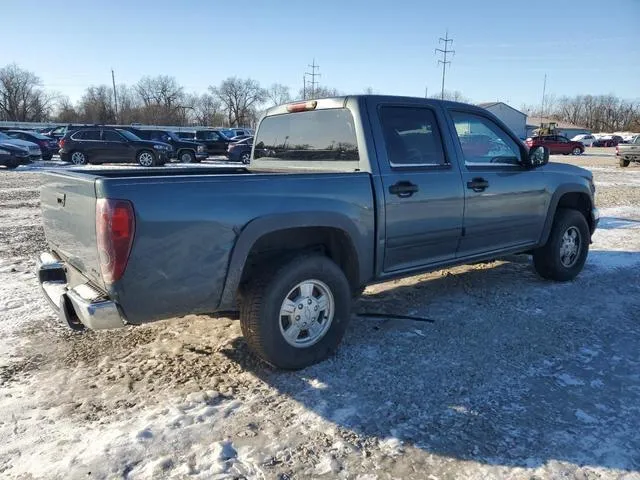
x=505, y=203
x=89, y=142
x=424, y=199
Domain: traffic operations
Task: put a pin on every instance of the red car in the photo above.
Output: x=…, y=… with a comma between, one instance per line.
x=556, y=144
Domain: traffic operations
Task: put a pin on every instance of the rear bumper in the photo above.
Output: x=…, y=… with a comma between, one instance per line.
x=80, y=305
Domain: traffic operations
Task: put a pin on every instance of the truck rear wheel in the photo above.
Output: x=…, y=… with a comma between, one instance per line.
x=567, y=247
x=624, y=162
x=296, y=315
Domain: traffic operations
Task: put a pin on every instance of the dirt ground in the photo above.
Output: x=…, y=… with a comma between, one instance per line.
x=515, y=378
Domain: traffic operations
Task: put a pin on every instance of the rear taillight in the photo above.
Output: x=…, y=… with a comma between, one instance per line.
x=617, y=150
x=115, y=228
x=61, y=143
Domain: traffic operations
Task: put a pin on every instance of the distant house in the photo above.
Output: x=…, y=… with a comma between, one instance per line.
x=567, y=129
x=514, y=119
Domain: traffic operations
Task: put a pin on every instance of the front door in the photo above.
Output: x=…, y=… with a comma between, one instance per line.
x=423, y=193
x=115, y=147
x=505, y=203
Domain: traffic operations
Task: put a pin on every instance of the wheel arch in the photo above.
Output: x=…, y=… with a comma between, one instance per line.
x=288, y=234
x=576, y=197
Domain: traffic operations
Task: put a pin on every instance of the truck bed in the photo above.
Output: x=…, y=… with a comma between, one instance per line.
x=187, y=223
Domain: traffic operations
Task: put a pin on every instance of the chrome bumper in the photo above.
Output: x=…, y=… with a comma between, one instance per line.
x=79, y=306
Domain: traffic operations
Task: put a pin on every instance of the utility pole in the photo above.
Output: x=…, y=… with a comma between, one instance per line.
x=544, y=91
x=115, y=94
x=426, y=92
x=313, y=76
x=445, y=52
x=304, y=86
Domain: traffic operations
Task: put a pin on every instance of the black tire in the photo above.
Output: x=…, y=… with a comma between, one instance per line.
x=547, y=259
x=187, y=156
x=12, y=165
x=577, y=151
x=143, y=158
x=260, y=312
x=624, y=162
x=245, y=158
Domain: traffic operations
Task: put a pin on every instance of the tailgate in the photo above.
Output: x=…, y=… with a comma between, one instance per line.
x=68, y=204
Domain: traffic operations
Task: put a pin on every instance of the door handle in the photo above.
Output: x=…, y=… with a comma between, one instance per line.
x=477, y=184
x=403, y=189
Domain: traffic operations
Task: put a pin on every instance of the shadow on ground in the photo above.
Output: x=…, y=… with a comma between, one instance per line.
x=515, y=370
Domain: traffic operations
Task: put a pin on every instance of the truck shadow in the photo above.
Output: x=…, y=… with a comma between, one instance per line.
x=515, y=371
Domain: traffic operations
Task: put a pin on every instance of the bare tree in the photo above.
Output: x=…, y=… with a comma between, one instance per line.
x=454, y=96
x=21, y=98
x=65, y=111
x=278, y=94
x=206, y=109
x=240, y=99
x=319, y=92
x=96, y=105
x=128, y=105
x=162, y=100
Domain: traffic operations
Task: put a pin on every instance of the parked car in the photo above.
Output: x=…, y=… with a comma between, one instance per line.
x=34, y=150
x=214, y=139
x=585, y=139
x=556, y=144
x=607, y=141
x=240, y=151
x=113, y=145
x=12, y=156
x=48, y=146
x=629, y=152
x=186, y=151
x=241, y=132
x=342, y=192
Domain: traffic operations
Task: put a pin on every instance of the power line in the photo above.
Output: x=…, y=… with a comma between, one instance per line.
x=445, y=52
x=313, y=82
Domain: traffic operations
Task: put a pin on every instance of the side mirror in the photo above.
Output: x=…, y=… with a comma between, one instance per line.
x=537, y=157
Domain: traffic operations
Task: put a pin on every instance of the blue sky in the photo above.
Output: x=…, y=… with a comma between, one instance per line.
x=503, y=47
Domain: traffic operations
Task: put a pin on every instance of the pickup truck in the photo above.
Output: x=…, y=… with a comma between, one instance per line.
x=628, y=152
x=340, y=193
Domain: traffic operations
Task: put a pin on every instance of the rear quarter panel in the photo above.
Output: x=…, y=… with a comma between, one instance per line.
x=187, y=227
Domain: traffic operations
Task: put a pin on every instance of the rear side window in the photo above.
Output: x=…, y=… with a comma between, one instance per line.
x=412, y=136
x=87, y=135
x=315, y=136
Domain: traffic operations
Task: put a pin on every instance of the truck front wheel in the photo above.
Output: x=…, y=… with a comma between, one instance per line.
x=296, y=315
x=567, y=247
x=624, y=162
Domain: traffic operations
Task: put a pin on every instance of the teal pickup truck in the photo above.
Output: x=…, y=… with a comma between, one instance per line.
x=340, y=193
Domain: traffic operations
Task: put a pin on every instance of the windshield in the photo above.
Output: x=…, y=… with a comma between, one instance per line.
x=128, y=135
x=173, y=136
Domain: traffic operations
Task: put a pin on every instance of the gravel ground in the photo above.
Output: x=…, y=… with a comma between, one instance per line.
x=515, y=378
